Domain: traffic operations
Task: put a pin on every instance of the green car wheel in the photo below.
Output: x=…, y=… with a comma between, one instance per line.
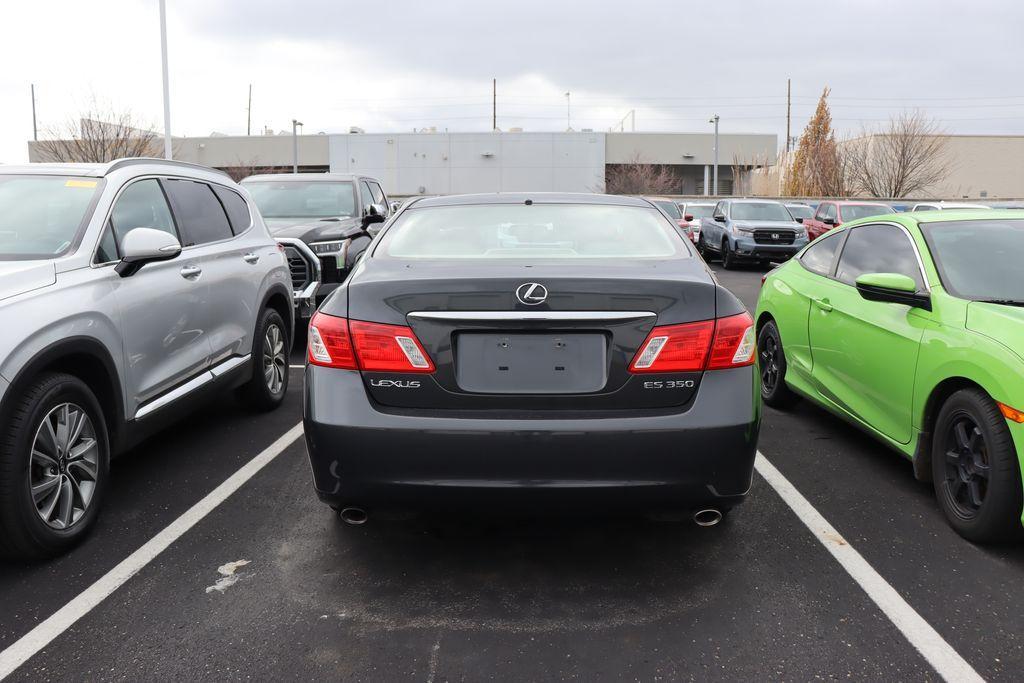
x=974, y=468
x=772, y=364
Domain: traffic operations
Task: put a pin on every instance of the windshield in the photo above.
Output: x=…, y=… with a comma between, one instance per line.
x=42, y=216
x=297, y=199
x=854, y=211
x=537, y=231
x=800, y=210
x=671, y=208
x=979, y=259
x=760, y=211
x=699, y=211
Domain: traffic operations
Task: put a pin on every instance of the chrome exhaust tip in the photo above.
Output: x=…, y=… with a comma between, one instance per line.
x=354, y=516
x=708, y=517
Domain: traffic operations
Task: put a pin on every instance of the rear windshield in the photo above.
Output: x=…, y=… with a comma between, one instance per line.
x=298, y=199
x=979, y=260
x=531, y=232
x=699, y=211
x=41, y=217
x=760, y=211
x=671, y=208
x=855, y=211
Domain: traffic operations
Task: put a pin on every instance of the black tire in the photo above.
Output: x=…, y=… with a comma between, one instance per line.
x=771, y=360
x=23, y=532
x=975, y=469
x=728, y=258
x=268, y=385
x=701, y=248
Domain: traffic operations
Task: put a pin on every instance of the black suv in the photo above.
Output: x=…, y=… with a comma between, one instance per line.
x=324, y=222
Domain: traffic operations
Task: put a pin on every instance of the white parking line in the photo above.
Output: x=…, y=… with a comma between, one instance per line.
x=933, y=647
x=39, y=637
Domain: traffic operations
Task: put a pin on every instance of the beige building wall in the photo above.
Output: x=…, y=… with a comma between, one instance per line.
x=688, y=148
x=983, y=166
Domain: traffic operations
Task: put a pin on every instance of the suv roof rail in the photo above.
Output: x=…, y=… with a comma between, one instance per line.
x=137, y=161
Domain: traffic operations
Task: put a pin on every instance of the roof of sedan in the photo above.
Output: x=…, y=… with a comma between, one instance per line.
x=532, y=197
x=304, y=177
x=964, y=215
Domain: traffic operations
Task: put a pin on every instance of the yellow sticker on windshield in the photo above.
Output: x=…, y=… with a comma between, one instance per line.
x=80, y=183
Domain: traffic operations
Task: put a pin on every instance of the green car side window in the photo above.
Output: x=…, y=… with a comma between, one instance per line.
x=818, y=257
x=878, y=249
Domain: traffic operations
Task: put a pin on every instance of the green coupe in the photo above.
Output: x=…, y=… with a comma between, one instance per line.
x=911, y=326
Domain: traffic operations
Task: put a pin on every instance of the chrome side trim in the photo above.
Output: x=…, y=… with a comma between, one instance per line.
x=188, y=387
x=230, y=364
x=532, y=315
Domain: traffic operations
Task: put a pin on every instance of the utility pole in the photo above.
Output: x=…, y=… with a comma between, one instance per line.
x=295, y=145
x=494, y=104
x=788, y=105
x=568, y=116
x=714, y=120
x=248, y=115
x=167, y=87
x=35, y=132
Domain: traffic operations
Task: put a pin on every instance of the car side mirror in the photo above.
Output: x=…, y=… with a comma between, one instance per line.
x=893, y=288
x=688, y=217
x=145, y=245
x=829, y=221
x=374, y=214
x=799, y=220
x=719, y=217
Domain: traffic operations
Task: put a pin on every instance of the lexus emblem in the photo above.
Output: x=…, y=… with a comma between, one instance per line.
x=532, y=293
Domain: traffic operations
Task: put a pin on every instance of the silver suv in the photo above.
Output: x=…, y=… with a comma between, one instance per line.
x=127, y=291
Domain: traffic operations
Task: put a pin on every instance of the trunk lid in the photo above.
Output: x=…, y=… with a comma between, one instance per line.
x=568, y=348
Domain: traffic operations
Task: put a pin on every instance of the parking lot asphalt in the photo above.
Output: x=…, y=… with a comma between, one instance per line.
x=757, y=597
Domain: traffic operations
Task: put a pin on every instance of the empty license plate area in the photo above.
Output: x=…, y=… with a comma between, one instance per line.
x=522, y=363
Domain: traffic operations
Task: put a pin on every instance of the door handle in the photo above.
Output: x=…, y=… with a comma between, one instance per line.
x=251, y=258
x=823, y=304
x=191, y=272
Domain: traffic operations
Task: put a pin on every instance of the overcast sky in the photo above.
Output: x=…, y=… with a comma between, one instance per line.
x=397, y=65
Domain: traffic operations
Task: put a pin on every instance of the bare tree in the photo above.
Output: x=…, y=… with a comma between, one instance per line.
x=98, y=135
x=905, y=157
x=244, y=169
x=742, y=173
x=637, y=177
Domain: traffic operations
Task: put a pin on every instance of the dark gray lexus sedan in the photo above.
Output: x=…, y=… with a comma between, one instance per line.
x=557, y=350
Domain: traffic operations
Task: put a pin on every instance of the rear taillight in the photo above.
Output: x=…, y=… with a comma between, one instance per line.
x=353, y=344
x=692, y=347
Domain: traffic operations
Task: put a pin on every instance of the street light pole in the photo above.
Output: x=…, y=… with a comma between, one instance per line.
x=167, y=87
x=714, y=120
x=295, y=145
x=568, y=116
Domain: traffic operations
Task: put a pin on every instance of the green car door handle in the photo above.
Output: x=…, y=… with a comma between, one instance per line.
x=823, y=304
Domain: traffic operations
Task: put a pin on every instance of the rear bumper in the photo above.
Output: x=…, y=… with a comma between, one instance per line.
x=362, y=456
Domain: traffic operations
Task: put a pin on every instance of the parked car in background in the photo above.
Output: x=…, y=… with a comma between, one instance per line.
x=669, y=207
x=800, y=212
x=504, y=325
x=940, y=206
x=324, y=220
x=912, y=328
x=750, y=230
x=693, y=212
x=128, y=291
x=831, y=214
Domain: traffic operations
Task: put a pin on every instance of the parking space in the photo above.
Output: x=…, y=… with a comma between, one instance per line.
x=271, y=585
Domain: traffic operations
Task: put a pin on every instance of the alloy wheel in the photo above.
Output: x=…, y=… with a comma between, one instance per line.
x=64, y=466
x=967, y=465
x=275, y=361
